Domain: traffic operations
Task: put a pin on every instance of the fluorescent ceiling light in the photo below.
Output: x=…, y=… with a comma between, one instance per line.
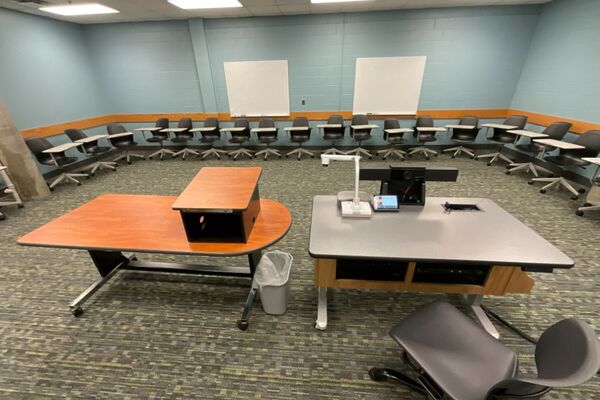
x=198, y=4
x=334, y=1
x=79, y=9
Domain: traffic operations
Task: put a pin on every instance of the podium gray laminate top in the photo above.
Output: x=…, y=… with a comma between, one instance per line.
x=490, y=236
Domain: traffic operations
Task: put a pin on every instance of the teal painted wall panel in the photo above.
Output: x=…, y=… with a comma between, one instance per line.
x=46, y=75
x=562, y=72
x=146, y=67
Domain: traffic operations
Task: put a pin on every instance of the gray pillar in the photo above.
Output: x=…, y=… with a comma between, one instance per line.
x=14, y=154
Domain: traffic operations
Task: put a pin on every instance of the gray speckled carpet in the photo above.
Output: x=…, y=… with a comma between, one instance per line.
x=148, y=336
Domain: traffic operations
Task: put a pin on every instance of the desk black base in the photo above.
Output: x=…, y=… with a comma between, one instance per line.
x=109, y=263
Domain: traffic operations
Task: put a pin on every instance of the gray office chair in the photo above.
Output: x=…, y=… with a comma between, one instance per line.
x=424, y=121
x=454, y=358
x=334, y=134
x=91, y=149
x=572, y=158
x=183, y=137
x=122, y=142
x=240, y=137
x=267, y=138
x=393, y=139
x=464, y=136
x=360, y=135
x=556, y=131
x=159, y=137
x=210, y=137
x=58, y=160
x=300, y=136
x=502, y=137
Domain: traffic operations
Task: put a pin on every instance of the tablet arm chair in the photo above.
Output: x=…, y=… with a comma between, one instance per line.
x=556, y=131
x=572, y=158
x=592, y=202
x=334, y=134
x=58, y=160
x=300, y=136
x=240, y=137
x=122, y=142
x=393, y=139
x=8, y=190
x=453, y=358
x=183, y=136
x=267, y=137
x=423, y=137
x=159, y=136
x=91, y=149
x=210, y=137
x=501, y=137
x=360, y=135
x=463, y=136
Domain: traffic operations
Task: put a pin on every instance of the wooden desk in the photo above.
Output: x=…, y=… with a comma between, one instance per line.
x=115, y=223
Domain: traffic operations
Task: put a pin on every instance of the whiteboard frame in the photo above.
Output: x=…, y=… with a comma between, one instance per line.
x=248, y=82
x=381, y=85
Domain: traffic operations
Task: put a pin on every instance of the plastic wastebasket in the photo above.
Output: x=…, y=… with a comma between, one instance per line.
x=272, y=278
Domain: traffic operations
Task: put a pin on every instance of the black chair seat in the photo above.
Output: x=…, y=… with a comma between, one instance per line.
x=566, y=160
x=157, y=139
x=180, y=139
x=209, y=138
x=267, y=139
x=427, y=137
x=458, y=355
x=361, y=135
x=60, y=159
x=463, y=137
x=97, y=149
x=123, y=143
x=502, y=139
x=392, y=139
x=298, y=138
x=333, y=136
x=238, y=139
x=530, y=148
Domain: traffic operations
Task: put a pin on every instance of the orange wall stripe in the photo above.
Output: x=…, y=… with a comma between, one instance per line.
x=86, y=123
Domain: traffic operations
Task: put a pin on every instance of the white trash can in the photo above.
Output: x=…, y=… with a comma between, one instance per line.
x=272, y=278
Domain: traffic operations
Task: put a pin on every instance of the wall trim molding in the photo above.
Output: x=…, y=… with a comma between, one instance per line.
x=92, y=122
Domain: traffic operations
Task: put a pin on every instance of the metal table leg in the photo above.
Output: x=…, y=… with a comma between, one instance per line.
x=474, y=300
x=321, y=323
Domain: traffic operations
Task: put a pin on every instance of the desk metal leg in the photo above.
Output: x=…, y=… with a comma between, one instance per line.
x=474, y=300
x=321, y=323
x=108, y=264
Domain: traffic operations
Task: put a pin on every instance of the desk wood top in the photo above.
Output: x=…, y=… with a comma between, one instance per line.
x=215, y=188
x=124, y=222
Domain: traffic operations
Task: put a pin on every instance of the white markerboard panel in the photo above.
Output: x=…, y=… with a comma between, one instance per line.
x=258, y=88
x=388, y=85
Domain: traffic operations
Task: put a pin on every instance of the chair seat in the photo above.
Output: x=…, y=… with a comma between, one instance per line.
x=566, y=160
x=464, y=360
x=463, y=138
x=97, y=149
x=181, y=139
x=333, y=136
x=209, y=138
x=395, y=139
x=299, y=138
x=530, y=147
x=61, y=160
x=238, y=139
x=267, y=139
x=426, y=138
x=361, y=136
x=124, y=143
x=502, y=139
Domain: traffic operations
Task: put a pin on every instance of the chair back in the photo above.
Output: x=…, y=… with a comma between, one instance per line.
x=37, y=146
x=113, y=129
x=424, y=121
x=266, y=123
x=76, y=134
x=266, y=136
x=591, y=141
x=215, y=134
x=241, y=123
x=516, y=120
x=391, y=124
x=300, y=121
x=557, y=130
x=393, y=137
x=162, y=123
x=211, y=123
x=467, y=134
x=334, y=133
x=187, y=124
x=360, y=119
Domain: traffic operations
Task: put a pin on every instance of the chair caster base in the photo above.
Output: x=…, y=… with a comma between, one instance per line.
x=507, y=172
x=242, y=325
x=542, y=191
x=530, y=182
x=574, y=197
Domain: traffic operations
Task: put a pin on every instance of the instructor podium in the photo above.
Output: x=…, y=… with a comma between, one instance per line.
x=112, y=225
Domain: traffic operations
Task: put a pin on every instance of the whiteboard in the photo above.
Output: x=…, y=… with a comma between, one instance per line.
x=388, y=85
x=258, y=88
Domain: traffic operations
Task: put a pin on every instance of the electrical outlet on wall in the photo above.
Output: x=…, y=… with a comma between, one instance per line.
x=303, y=102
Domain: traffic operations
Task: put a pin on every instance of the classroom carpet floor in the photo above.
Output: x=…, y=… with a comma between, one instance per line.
x=151, y=336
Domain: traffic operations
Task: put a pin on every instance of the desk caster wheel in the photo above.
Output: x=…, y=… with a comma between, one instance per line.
x=78, y=183
x=574, y=197
x=453, y=156
x=383, y=158
x=579, y=213
x=489, y=164
x=542, y=191
x=377, y=375
x=20, y=205
x=507, y=172
x=581, y=190
x=242, y=325
x=530, y=182
x=436, y=155
x=312, y=156
x=128, y=162
x=473, y=158
x=77, y=312
x=587, y=204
